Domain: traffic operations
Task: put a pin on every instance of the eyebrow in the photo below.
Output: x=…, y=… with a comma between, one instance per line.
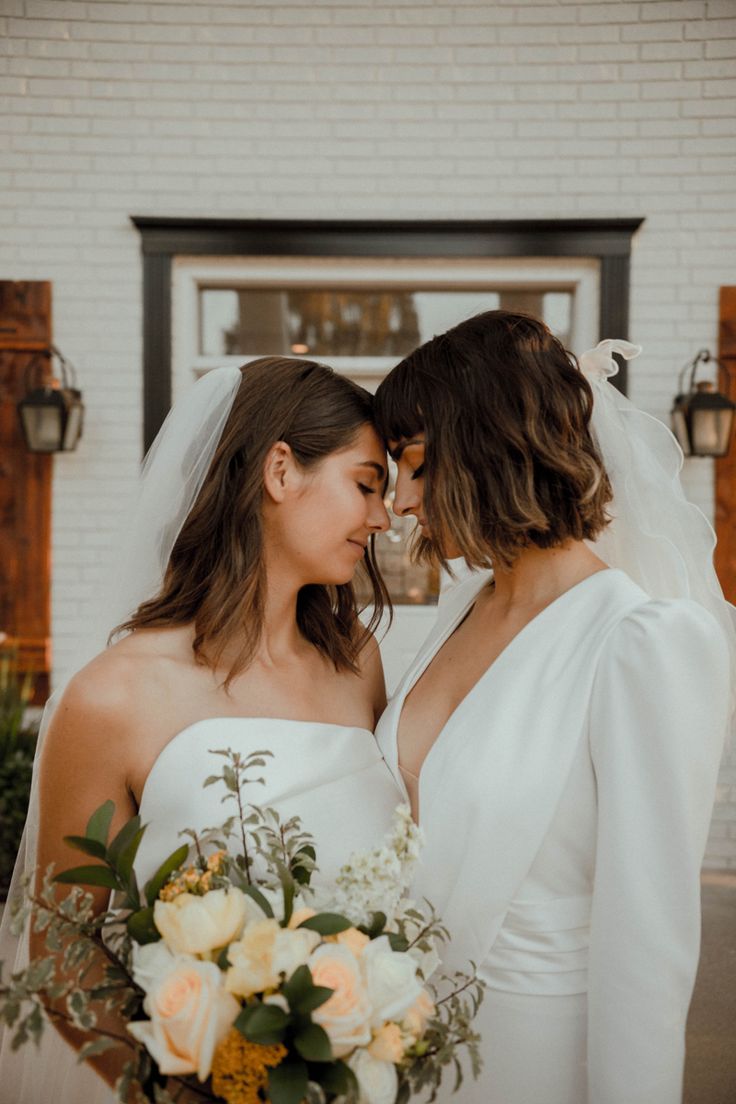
x=378, y=468
x=398, y=452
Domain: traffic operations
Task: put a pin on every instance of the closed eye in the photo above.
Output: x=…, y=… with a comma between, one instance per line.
x=366, y=490
x=418, y=473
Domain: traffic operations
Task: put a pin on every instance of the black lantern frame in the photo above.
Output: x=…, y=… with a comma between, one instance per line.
x=702, y=417
x=52, y=412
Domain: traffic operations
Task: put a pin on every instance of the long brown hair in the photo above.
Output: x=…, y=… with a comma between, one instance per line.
x=509, y=459
x=216, y=578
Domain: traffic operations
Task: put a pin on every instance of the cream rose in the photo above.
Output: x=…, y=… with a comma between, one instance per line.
x=388, y=1043
x=190, y=1014
x=292, y=948
x=346, y=1015
x=378, y=1081
x=196, y=925
x=390, y=979
x=251, y=960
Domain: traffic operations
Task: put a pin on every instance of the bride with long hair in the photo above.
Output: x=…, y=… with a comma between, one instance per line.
x=235, y=624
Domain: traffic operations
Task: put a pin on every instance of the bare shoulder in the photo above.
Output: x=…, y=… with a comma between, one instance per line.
x=119, y=686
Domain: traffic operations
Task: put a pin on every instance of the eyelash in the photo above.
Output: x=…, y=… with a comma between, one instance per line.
x=366, y=490
x=418, y=473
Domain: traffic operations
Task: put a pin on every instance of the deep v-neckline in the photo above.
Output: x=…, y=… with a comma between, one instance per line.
x=421, y=667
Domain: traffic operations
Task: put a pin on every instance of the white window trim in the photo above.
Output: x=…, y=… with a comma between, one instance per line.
x=581, y=275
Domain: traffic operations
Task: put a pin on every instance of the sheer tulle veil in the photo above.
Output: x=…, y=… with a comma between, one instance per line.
x=172, y=476
x=662, y=541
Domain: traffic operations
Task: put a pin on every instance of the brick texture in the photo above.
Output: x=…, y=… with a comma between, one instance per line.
x=323, y=108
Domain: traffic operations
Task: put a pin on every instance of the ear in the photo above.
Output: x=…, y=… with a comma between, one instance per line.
x=280, y=471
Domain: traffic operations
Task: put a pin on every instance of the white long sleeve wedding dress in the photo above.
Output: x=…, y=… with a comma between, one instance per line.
x=332, y=777
x=566, y=805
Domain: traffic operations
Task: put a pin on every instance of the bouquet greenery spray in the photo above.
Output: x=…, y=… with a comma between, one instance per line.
x=234, y=978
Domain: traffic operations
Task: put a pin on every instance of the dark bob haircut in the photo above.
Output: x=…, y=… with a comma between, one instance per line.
x=509, y=458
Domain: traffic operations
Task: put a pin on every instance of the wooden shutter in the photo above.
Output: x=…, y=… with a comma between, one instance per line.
x=25, y=483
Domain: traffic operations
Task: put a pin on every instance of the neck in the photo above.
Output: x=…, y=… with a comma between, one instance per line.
x=539, y=575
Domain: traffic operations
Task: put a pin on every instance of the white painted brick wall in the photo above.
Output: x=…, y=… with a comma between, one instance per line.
x=322, y=108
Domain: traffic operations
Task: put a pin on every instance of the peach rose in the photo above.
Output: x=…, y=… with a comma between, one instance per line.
x=416, y=1019
x=197, y=925
x=346, y=1015
x=251, y=960
x=190, y=1014
x=353, y=939
x=387, y=1044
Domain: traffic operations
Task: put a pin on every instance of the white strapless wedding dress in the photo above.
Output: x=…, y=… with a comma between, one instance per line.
x=333, y=777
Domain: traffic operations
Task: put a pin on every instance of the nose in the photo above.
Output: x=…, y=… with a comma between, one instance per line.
x=407, y=499
x=378, y=519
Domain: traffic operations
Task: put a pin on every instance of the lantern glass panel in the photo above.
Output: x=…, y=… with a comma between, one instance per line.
x=679, y=428
x=711, y=431
x=42, y=425
x=73, y=427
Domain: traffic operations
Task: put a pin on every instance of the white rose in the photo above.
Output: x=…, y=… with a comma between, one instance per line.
x=378, y=1080
x=196, y=925
x=345, y=1016
x=190, y=1014
x=150, y=962
x=391, y=980
x=292, y=948
x=251, y=960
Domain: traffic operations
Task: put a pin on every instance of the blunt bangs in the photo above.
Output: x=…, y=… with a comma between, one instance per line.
x=399, y=403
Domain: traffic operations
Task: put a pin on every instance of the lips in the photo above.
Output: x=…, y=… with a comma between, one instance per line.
x=358, y=544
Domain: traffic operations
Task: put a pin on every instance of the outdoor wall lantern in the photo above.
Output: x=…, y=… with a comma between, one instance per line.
x=702, y=418
x=51, y=412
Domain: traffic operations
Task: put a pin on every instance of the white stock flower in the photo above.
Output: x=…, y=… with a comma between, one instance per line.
x=375, y=881
x=391, y=980
x=196, y=925
x=378, y=1081
x=190, y=1013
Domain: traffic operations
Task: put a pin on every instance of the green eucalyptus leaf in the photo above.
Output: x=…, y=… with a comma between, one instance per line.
x=162, y=875
x=288, y=1082
x=313, y=1043
x=398, y=942
x=97, y=1046
x=327, y=923
x=261, y=901
x=127, y=833
x=91, y=847
x=141, y=927
x=99, y=823
x=89, y=875
x=338, y=1078
x=266, y=1024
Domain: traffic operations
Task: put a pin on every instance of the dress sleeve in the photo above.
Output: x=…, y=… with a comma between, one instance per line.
x=659, y=714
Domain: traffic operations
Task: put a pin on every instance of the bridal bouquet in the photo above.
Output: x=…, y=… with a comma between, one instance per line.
x=236, y=979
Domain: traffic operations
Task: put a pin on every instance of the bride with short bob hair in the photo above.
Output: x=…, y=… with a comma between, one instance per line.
x=560, y=731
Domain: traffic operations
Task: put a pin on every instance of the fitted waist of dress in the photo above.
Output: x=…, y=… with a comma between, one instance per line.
x=541, y=948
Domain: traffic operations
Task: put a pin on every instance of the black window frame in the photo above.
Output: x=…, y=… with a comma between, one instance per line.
x=164, y=238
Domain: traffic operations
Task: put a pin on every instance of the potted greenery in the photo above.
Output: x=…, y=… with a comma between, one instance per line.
x=17, y=747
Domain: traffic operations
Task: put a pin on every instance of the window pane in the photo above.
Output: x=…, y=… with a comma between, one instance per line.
x=336, y=322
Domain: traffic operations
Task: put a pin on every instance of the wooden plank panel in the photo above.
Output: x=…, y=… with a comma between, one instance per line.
x=725, y=504
x=25, y=483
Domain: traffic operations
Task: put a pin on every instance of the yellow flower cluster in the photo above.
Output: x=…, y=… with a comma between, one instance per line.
x=240, y=1069
x=193, y=880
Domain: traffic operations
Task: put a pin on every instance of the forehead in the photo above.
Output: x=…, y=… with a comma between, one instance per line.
x=396, y=448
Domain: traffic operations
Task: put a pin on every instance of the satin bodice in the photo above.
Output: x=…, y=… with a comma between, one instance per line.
x=331, y=776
